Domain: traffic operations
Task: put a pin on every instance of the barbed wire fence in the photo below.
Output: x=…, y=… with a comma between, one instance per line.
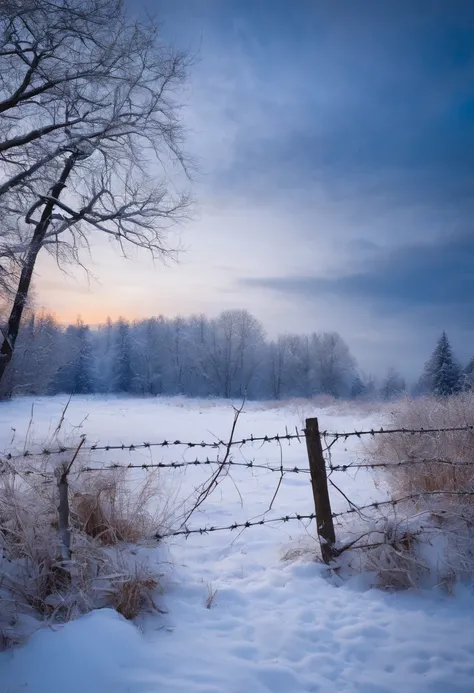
x=319, y=447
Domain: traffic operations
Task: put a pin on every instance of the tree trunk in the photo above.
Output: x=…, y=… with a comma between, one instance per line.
x=21, y=296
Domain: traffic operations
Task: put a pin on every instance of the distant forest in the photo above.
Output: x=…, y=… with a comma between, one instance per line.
x=228, y=356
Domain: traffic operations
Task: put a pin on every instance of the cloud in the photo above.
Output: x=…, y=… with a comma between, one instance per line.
x=309, y=92
x=432, y=282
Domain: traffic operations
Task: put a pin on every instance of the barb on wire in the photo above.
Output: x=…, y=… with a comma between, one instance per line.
x=235, y=525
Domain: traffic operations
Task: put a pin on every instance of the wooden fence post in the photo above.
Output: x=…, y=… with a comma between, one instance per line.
x=63, y=514
x=63, y=507
x=319, y=482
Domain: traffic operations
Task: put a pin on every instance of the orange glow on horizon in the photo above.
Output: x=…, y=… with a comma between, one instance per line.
x=90, y=316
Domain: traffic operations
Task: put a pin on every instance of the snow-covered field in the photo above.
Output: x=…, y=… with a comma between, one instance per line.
x=278, y=623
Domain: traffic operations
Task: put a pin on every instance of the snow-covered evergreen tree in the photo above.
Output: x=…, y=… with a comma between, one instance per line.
x=363, y=387
x=40, y=355
x=442, y=373
x=357, y=388
x=102, y=357
x=75, y=374
x=122, y=373
x=468, y=376
x=83, y=378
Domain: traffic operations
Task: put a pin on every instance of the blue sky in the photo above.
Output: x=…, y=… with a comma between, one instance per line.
x=335, y=187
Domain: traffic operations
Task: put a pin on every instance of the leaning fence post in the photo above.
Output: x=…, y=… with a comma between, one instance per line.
x=63, y=514
x=63, y=506
x=319, y=482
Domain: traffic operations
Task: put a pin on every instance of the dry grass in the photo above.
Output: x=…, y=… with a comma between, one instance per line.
x=112, y=515
x=211, y=596
x=133, y=594
x=428, y=538
x=109, y=516
x=440, y=461
x=106, y=507
x=36, y=577
x=390, y=553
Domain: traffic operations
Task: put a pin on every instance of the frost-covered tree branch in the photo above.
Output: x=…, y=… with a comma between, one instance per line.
x=90, y=137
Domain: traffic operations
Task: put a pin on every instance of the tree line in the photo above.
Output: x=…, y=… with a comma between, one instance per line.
x=227, y=356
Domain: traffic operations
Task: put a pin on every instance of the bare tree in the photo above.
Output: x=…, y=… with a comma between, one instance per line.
x=393, y=385
x=277, y=358
x=231, y=352
x=89, y=137
x=335, y=364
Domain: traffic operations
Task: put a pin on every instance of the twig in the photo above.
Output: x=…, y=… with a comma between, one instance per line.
x=279, y=480
x=215, y=477
x=30, y=423
x=342, y=494
x=68, y=469
x=61, y=420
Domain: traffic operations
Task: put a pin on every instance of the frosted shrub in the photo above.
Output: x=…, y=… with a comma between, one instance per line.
x=109, y=516
x=429, y=535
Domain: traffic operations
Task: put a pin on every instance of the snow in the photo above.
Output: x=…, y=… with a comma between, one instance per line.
x=278, y=622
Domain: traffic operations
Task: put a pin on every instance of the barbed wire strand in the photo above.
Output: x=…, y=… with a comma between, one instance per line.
x=235, y=525
x=196, y=463
x=252, y=465
x=396, y=501
x=186, y=531
x=164, y=465
x=163, y=444
x=384, y=431
x=402, y=463
x=336, y=435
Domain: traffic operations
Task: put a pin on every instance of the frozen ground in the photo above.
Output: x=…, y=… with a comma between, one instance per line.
x=275, y=625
